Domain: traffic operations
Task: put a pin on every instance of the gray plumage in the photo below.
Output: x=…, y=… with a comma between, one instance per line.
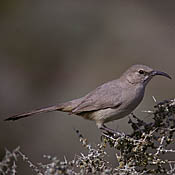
x=110, y=101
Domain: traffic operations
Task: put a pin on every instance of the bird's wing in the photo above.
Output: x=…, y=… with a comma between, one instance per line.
x=106, y=96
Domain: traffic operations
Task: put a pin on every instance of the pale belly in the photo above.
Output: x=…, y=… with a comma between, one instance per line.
x=109, y=114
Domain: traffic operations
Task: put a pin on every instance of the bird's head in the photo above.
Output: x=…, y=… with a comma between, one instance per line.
x=137, y=74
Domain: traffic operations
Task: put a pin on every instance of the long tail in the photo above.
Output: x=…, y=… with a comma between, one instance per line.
x=60, y=107
x=65, y=107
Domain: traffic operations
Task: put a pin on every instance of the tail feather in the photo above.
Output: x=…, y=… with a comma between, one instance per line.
x=65, y=107
x=37, y=111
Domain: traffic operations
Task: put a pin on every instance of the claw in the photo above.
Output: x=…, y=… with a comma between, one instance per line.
x=110, y=131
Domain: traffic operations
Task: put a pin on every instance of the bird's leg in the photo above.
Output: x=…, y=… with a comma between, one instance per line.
x=109, y=130
x=105, y=128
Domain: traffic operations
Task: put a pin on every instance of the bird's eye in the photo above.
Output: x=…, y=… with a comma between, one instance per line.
x=141, y=72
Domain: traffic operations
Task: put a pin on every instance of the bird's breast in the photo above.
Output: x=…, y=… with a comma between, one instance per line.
x=130, y=100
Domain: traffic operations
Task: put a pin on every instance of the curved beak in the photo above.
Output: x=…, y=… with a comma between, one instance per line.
x=156, y=72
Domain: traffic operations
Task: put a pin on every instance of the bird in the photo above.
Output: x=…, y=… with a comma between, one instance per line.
x=110, y=101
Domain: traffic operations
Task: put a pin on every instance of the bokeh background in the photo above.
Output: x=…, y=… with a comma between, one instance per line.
x=54, y=51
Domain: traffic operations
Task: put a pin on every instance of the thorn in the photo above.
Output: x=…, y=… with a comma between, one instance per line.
x=154, y=99
x=149, y=112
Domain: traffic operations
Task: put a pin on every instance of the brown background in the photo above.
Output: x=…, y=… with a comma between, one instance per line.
x=54, y=51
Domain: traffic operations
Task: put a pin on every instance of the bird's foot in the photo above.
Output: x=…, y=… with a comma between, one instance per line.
x=110, y=131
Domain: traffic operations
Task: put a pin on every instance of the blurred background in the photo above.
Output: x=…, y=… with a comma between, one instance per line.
x=54, y=51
